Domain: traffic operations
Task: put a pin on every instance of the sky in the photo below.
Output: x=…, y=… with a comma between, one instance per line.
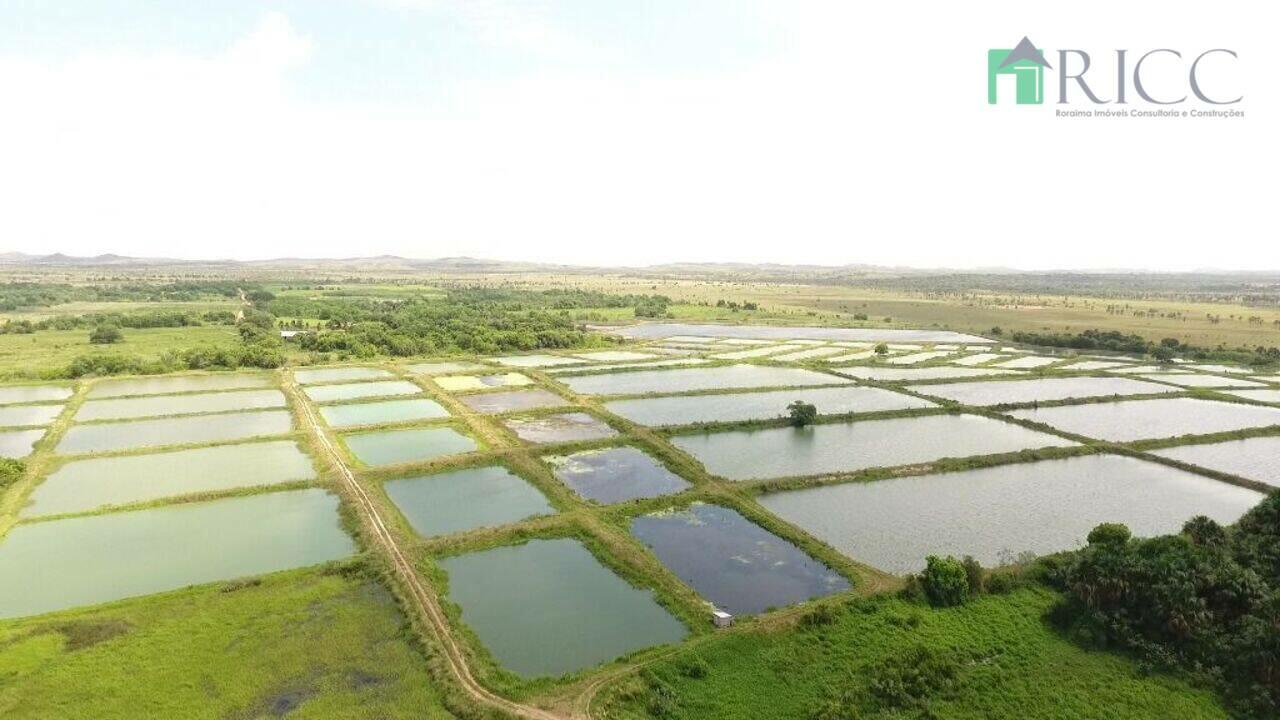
x=622, y=132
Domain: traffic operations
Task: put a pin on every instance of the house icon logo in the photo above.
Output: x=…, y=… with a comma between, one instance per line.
x=1026, y=64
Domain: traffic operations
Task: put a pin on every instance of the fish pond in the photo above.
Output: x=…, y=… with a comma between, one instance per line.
x=562, y=427
x=130, y=435
x=690, y=379
x=615, y=474
x=906, y=374
x=997, y=512
x=356, y=391
x=388, y=411
x=463, y=500
x=852, y=446
x=316, y=376
x=445, y=368
x=732, y=562
x=137, y=407
x=86, y=485
x=548, y=607
x=1252, y=458
x=689, y=409
x=33, y=393
x=1129, y=420
x=27, y=415
x=391, y=447
x=508, y=401
x=178, y=384
x=1002, y=392
x=18, y=443
x=537, y=361
x=59, y=564
x=464, y=383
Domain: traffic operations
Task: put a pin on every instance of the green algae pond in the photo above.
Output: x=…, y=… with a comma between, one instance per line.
x=463, y=500
x=548, y=607
x=59, y=564
x=391, y=447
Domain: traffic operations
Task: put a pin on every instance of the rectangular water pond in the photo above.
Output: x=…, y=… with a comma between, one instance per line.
x=853, y=446
x=1130, y=420
x=466, y=499
x=690, y=379
x=28, y=415
x=67, y=563
x=1263, y=396
x=85, y=485
x=500, y=402
x=33, y=393
x=943, y=372
x=615, y=356
x=1009, y=392
x=998, y=512
x=690, y=409
x=137, y=407
x=464, y=383
x=18, y=443
x=615, y=474
x=537, y=361
x=1205, y=381
x=1252, y=458
x=168, y=384
x=355, y=391
x=561, y=427
x=548, y=607
x=444, y=368
x=316, y=376
x=732, y=562
x=129, y=435
x=391, y=447
x=387, y=411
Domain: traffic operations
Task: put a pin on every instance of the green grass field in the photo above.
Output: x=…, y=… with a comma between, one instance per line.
x=1010, y=665
x=30, y=355
x=318, y=643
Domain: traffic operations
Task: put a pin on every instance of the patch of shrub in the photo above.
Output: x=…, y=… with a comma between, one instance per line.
x=11, y=470
x=944, y=581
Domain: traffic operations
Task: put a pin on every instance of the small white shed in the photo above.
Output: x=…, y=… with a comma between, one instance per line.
x=721, y=619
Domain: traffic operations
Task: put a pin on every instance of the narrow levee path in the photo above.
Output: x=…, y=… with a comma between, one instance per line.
x=423, y=598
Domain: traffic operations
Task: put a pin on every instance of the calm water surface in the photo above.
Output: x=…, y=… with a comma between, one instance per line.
x=467, y=499
x=60, y=564
x=375, y=413
x=390, y=447
x=1130, y=420
x=729, y=560
x=548, y=607
x=125, y=408
x=84, y=485
x=848, y=447
x=689, y=409
x=689, y=379
x=103, y=437
x=615, y=474
x=1043, y=507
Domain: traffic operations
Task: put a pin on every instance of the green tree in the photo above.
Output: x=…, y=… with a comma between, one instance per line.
x=802, y=413
x=882, y=349
x=105, y=335
x=944, y=581
x=10, y=471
